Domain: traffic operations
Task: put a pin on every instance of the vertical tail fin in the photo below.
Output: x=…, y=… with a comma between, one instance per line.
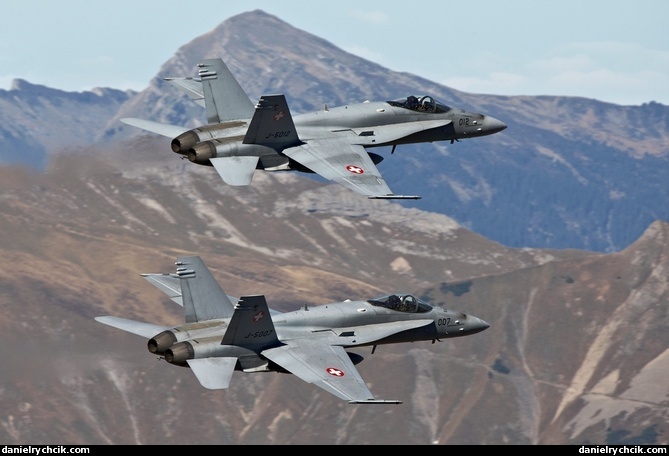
x=272, y=124
x=224, y=98
x=251, y=325
x=203, y=298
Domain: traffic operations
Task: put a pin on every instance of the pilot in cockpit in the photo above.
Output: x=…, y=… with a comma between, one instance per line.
x=426, y=104
x=401, y=303
x=412, y=102
x=394, y=302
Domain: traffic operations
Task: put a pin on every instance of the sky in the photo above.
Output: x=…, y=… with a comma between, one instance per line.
x=615, y=51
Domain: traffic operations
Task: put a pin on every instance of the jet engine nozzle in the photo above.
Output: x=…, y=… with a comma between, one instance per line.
x=161, y=342
x=179, y=353
x=185, y=141
x=228, y=131
x=202, y=152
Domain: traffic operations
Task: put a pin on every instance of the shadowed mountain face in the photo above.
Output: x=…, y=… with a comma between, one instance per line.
x=576, y=352
x=566, y=173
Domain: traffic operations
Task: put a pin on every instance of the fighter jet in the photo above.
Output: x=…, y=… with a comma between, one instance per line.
x=223, y=334
x=333, y=142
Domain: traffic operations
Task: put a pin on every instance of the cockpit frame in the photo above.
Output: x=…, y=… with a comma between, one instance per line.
x=420, y=103
x=402, y=303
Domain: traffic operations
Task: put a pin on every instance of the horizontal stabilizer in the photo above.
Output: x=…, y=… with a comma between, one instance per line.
x=213, y=373
x=236, y=171
x=139, y=328
x=171, y=131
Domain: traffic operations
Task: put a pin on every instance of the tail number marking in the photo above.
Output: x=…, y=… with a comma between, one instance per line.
x=278, y=134
x=255, y=335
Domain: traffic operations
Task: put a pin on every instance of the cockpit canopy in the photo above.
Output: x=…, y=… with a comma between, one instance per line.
x=402, y=303
x=420, y=103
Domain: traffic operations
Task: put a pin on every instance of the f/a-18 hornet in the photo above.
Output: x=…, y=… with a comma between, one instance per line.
x=240, y=137
x=223, y=334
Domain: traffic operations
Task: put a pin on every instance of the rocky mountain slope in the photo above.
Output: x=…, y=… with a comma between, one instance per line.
x=37, y=122
x=576, y=354
x=567, y=173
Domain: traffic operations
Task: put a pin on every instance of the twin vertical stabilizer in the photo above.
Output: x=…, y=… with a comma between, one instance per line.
x=224, y=98
x=203, y=298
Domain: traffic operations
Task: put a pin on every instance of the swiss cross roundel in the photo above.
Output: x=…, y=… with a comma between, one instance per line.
x=259, y=316
x=354, y=169
x=334, y=372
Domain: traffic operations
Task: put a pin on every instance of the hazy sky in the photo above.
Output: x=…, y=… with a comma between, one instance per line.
x=611, y=50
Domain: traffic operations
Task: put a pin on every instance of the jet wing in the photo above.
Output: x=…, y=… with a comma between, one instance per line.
x=347, y=164
x=168, y=284
x=326, y=366
x=171, y=131
x=139, y=328
x=190, y=87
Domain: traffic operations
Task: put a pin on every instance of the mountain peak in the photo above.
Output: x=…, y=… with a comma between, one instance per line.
x=21, y=85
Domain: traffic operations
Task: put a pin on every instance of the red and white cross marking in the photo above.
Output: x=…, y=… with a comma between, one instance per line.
x=354, y=169
x=334, y=372
x=279, y=115
x=259, y=316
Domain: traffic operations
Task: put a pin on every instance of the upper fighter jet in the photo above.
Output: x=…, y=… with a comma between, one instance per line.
x=222, y=334
x=240, y=137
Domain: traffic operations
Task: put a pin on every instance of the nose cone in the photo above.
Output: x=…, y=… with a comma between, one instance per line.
x=474, y=325
x=492, y=125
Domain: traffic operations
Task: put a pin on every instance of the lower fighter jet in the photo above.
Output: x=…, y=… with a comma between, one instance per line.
x=223, y=334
